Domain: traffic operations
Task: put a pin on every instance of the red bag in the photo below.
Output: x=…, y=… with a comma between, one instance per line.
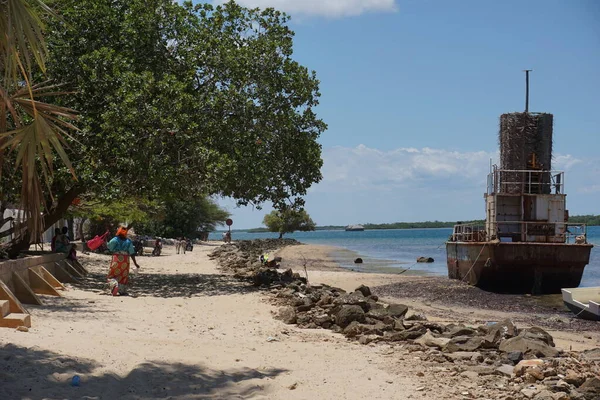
x=97, y=241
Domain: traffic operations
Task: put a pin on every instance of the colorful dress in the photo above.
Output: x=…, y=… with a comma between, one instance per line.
x=118, y=274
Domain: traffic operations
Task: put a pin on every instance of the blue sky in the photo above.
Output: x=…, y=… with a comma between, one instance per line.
x=412, y=91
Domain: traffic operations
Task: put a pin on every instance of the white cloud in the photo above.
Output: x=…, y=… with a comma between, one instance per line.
x=328, y=8
x=564, y=162
x=364, y=168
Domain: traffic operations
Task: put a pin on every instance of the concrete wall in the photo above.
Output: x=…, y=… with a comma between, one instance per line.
x=21, y=265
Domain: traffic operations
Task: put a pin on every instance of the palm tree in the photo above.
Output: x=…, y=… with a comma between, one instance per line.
x=30, y=126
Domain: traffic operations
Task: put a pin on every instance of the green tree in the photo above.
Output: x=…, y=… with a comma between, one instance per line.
x=189, y=218
x=287, y=221
x=182, y=100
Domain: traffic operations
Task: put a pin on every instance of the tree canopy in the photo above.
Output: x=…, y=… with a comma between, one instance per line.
x=181, y=218
x=179, y=101
x=288, y=220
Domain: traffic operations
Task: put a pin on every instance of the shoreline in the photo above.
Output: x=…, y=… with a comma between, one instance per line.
x=444, y=300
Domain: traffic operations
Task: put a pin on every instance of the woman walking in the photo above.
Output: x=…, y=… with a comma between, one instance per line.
x=123, y=250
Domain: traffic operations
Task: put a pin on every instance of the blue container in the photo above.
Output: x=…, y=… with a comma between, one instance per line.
x=75, y=381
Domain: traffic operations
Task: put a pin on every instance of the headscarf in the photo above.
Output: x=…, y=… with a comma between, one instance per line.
x=122, y=232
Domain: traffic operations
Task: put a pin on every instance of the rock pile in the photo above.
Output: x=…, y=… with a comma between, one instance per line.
x=496, y=359
x=526, y=357
x=243, y=259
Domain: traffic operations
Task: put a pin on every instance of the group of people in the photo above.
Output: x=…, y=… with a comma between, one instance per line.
x=227, y=237
x=183, y=244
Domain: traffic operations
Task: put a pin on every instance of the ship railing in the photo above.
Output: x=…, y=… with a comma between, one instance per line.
x=525, y=181
x=470, y=232
x=553, y=232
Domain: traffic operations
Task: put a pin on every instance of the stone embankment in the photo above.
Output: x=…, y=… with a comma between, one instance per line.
x=503, y=360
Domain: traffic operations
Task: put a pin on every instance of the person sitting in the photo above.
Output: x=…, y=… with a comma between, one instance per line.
x=53, y=242
x=62, y=244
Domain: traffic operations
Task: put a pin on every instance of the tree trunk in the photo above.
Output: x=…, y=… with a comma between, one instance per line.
x=80, y=228
x=22, y=242
x=70, y=224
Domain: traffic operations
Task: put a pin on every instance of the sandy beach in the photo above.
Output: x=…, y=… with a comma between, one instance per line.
x=190, y=331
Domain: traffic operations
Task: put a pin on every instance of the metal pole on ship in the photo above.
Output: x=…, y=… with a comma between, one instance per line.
x=527, y=71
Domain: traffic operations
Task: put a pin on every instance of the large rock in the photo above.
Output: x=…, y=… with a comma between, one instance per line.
x=574, y=378
x=591, y=355
x=365, y=290
x=592, y=385
x=395, y=311
x=352, y=299
x=348, y=313
x=287, y=315
x=528, y=346
x=544, y=395
x=429, y=340
x=355, y=329
x=539, y=334
x=409, y=334
x=506, y=329
x=464, y=343
x=524, y=365
x=459, y=330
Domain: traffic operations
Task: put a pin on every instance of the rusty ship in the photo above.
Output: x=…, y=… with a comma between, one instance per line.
x=526, y=244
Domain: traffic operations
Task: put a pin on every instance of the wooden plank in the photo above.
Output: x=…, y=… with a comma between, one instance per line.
x=62, y=274
x=24, y=292
x=72, y=270
x=49, y=277
x=15, y=304
x=14, y=320
x=40, y=285
x=4, y=308
x=77, y=265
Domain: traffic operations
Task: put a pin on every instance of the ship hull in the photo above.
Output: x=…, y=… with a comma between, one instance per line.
x=537, y=268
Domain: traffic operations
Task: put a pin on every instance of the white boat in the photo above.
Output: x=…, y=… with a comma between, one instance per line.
x=355, y=228
x=583, y=302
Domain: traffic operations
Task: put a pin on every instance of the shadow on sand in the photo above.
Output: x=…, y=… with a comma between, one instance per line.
x=39, y=374
x=168, y=285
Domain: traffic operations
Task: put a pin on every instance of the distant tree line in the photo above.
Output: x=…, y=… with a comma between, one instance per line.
x=590, y=220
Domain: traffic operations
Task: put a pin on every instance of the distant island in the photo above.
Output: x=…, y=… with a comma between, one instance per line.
x=590, y=220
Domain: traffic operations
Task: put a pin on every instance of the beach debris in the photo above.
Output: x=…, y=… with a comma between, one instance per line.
x=272, y=339
x=22, y=328
x=425, y=260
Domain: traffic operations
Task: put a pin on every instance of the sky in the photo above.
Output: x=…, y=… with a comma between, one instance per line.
x=412, y=91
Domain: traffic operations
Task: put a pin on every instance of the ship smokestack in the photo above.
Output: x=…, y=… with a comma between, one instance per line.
x=526, y=144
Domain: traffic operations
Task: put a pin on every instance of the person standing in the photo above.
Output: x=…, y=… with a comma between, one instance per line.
x=183, y=244
x=123, y=250
x=177, y=245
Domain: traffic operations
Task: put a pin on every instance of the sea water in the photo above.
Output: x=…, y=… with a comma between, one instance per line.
x=396, y=250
